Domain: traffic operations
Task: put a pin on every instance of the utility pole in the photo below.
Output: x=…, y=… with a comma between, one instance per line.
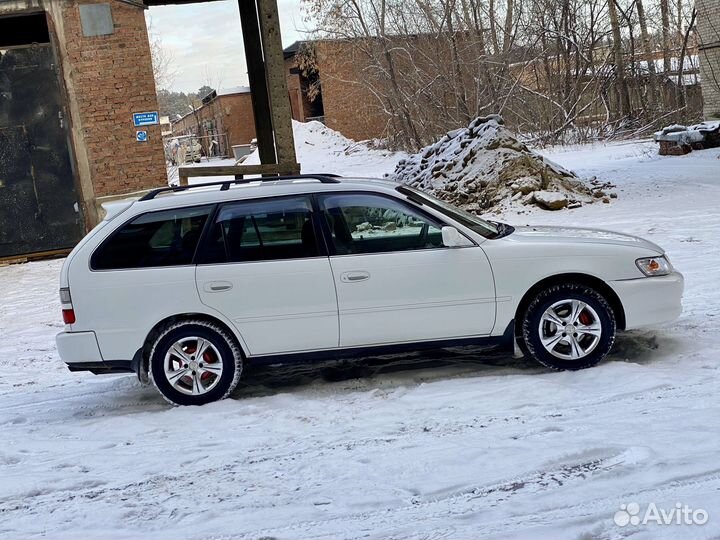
x=268, y=83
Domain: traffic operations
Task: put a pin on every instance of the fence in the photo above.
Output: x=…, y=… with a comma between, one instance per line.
x=182, y=149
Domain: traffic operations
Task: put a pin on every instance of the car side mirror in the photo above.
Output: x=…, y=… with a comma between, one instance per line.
x=452, y=238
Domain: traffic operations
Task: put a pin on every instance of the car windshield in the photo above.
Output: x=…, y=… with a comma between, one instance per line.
x=471, y=221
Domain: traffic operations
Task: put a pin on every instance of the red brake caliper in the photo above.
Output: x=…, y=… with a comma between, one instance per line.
x=585, y=318
x=208, y=359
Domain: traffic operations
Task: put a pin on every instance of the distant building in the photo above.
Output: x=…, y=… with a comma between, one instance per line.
x=165, y=126
x=356, y=109
x=708, y=24
x=339, y=99
x=225, y=116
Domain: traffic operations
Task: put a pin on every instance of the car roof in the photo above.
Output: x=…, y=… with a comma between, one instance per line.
x=217, y=192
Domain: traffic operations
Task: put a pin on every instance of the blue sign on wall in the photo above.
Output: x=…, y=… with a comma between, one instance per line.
x=141, y=136
x=146, y=119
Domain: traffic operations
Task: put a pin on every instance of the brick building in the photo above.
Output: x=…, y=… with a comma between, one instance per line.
x=304, y=108
x=72, y=73
x=342, y=103
x=229, y=111
x=708, y=24
x=349, y=106
x=357, y=109
x=226, y=111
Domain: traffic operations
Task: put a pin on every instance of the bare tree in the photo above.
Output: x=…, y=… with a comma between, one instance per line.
x=682, y=89
x=648, y=53
x=665, y=21
x=556, y=69
x=622, y=89
x=164, y=71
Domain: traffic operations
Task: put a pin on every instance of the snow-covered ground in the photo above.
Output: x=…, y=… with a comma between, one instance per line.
x=465, y=450
x=318, y=150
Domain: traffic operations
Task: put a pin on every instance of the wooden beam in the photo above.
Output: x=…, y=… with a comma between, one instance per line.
x=258, y=83
x=276, y=80
x=237, y=170
x=36, y=256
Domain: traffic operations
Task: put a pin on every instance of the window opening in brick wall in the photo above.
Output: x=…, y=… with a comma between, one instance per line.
x=23, y=30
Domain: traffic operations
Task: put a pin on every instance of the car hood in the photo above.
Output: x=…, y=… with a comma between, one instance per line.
x=574, y=235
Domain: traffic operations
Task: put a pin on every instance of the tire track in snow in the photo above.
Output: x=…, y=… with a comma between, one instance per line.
x=461, y=501
x=473, y=500
x=498, y=492
x=115, y=398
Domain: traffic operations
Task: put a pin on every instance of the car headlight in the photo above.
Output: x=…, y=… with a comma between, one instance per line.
x=654, y=266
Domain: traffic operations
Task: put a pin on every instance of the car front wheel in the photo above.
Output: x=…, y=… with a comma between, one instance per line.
x=569, y=326
x=195, y=362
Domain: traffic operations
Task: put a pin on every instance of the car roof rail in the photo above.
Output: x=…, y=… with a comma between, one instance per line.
x=324, y=178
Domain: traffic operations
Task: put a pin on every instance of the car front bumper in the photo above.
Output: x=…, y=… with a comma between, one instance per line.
x=650, y=300
x=80, y=352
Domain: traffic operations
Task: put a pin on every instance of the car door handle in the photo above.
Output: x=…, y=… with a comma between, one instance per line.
x=218, y=286
x=353, y=277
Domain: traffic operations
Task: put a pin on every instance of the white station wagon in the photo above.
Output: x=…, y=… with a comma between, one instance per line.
x=187, y=284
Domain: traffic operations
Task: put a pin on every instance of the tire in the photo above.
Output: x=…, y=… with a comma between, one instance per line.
x=183, y=378
x=581, y=337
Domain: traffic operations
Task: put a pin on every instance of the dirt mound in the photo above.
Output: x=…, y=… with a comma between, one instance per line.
x=485, y=168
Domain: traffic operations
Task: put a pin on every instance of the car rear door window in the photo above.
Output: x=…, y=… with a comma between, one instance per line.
x=367, y=223
x=264, y=230
x=164, y=238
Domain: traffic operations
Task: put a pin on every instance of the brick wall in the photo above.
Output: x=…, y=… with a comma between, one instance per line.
x=709, y=30
x=348, y=68
x=110, y=77
x=294, y=90
x=230, y=113
x=187, y=125
x=350, y=107
x=237, y=117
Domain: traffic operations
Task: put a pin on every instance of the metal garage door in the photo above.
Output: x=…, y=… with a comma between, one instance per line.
x=38, y=203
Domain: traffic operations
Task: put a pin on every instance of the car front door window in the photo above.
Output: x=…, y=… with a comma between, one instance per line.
x=366, y=223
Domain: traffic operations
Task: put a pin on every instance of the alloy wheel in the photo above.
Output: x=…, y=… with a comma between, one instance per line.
x=570, y=329
x=193, y=365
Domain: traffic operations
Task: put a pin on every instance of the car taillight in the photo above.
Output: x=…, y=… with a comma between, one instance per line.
x=68, y=312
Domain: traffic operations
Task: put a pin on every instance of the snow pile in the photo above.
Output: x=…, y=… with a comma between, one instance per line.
x=485, y=168
x=320, y=149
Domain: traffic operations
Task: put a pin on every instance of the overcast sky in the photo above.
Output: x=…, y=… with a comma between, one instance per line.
x=205, y=42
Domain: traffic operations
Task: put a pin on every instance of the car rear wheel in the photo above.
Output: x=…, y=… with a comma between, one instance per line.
x=195, y=362
x=569, y=326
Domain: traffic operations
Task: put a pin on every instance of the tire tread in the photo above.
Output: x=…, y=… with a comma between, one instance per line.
x=231, y=342
x=575, y=288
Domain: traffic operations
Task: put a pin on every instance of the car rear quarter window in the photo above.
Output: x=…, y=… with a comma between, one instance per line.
x=266, y=230
x=163, y=238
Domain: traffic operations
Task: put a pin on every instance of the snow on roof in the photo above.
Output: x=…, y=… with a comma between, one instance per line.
x=690, y=62
x=233, y=90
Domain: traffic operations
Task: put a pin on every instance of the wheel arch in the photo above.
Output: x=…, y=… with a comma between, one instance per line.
x=583, y=279
x=144, y=352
